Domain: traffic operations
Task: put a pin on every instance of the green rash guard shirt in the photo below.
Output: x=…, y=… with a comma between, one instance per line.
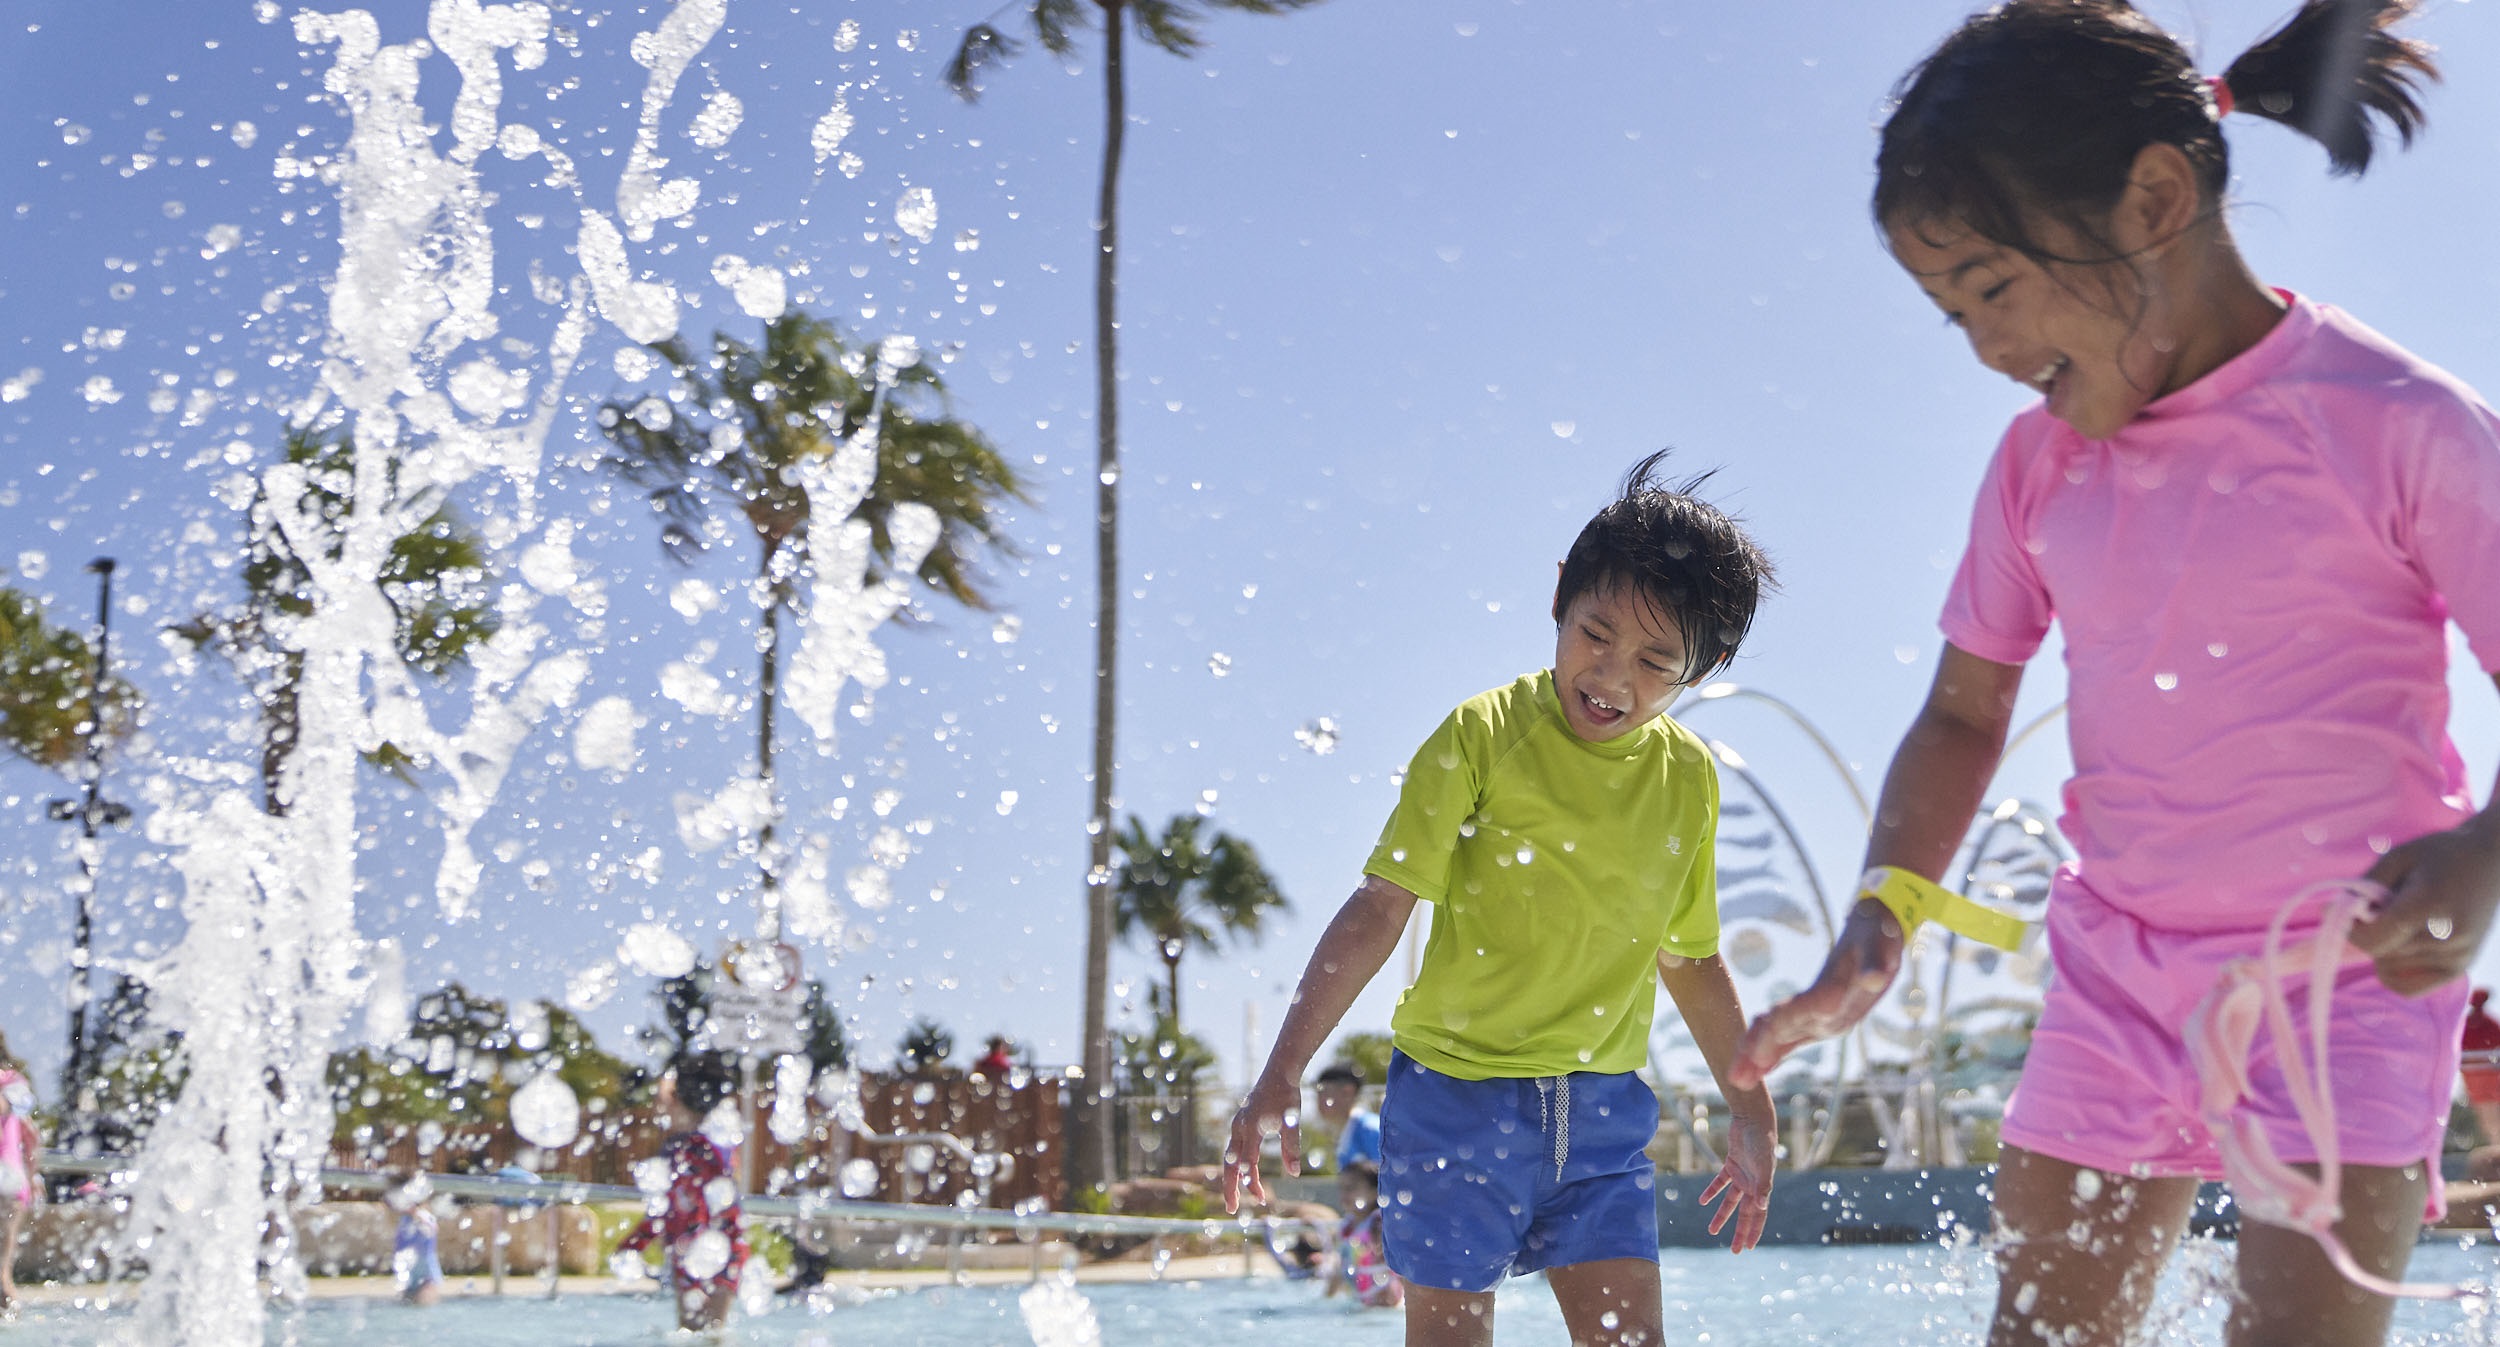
x=1557, y=869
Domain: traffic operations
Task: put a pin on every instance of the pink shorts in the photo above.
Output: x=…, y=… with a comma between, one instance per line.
x=2107, y=1083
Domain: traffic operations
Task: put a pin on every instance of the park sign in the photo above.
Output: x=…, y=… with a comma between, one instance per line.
x=758, y=1003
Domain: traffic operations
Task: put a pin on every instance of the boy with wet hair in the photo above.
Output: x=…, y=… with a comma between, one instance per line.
x=1562, y=827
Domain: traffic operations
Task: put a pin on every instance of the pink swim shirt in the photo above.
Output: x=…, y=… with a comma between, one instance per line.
x=2253, y=579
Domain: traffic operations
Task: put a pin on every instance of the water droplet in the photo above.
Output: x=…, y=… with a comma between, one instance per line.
x=2440, y=927
x=2166, y=681
x=1319, y=736
x=1219, y=664
x=1563, y=429
x=859, y=1177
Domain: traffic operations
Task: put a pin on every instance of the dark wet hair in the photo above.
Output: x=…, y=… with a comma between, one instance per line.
x=1339, y=1073
x=1361, y=1169
x=704, y=1079
x=1684, y=554
x=2043, y=105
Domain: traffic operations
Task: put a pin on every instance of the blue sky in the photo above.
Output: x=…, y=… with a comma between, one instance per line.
x=1407, y=286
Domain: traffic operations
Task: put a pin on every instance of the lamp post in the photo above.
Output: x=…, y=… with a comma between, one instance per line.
x=91, y=813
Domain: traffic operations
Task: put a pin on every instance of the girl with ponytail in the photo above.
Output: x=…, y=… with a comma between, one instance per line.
x=2252, y=518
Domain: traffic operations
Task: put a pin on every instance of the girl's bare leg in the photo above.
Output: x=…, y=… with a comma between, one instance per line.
x=1436, y=1317
x=8, y=1249
x=2289, y=1293
x=1610, y=1303
x=2079, y=1250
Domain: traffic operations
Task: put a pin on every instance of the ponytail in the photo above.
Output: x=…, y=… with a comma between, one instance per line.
x=2328, y=68
x=2040, y=107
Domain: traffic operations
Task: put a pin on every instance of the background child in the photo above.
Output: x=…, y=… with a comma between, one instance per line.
x=699, y=1221
x=21, y=1156
x=416, y=1253
x=1337, y=1092
x=1562, y=826
x=1362, y=1261
x=2251, y=517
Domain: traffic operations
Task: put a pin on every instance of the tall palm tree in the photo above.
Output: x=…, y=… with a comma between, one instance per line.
x=434, y=581
x=1173, y=26
x=1180, y=891
x=750, y=419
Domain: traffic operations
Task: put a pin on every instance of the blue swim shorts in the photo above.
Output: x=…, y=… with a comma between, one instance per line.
x=1486, y=1179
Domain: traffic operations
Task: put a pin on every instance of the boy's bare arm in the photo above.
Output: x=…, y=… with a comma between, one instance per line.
x=1357, y=942
x=1705, y=996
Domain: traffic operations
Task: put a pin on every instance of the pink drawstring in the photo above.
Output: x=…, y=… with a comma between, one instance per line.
x=2222, y=1030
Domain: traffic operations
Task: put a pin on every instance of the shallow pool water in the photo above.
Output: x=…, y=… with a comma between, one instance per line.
x=1921, y=1295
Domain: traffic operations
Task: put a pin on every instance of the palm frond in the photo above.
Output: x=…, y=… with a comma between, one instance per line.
x=1167, y=25
x=1055, y=22
x=982, y=47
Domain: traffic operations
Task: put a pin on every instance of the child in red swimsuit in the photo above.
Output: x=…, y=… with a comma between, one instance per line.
x=696, y=1217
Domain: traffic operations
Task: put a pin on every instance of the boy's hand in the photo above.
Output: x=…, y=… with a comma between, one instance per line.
x=1743, y=1187
x=2442, y=889
x=1855, y=976
x=1271, y=1108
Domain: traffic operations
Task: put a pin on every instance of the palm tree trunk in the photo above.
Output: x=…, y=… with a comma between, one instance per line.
x=1172, y=993
x=1090, y=1163
x=767, y=694
x=280, y=717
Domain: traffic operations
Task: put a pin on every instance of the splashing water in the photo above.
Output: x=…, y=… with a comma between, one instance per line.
x=1058, y=1315
x=1319, y=736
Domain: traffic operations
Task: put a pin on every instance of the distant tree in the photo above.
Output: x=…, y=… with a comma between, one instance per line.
x=925, y=1047
x=751, y=419
x=460, y=1063
x=139, y=1068
x=685, y=1005
x=828, y=1046
x=47, y=714
x=434, y=580
x=1180, y=891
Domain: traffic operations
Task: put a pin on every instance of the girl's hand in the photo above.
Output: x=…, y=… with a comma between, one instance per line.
x=1855, y=976
x=1272, y=1108
x=1743, y=1187
x=2441, y=888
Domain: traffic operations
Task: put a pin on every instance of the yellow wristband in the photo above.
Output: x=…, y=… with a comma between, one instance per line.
x=1915, y=899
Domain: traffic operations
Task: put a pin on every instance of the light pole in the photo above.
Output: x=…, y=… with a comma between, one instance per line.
x=90, y=814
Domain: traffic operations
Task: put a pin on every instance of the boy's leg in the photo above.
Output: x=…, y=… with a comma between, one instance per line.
x=2290, y=1293
x=1437, y=1317
x=1610, y=1303
x=2078, y=1249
